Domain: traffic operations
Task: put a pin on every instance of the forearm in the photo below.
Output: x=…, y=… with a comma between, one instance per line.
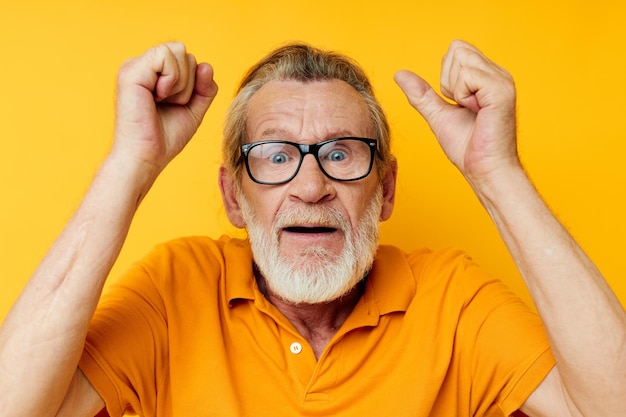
x=42, y=338
x=585, y=322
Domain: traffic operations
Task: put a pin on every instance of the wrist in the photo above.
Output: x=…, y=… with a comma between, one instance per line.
x=132, y=175
x=505, y=183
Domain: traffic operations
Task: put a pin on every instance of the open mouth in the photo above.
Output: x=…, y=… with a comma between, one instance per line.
x=310, y=230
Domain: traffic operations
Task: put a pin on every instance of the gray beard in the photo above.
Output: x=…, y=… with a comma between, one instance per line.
x=314, y=276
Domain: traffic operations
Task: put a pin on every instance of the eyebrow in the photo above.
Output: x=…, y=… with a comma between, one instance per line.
x=282, y=133
x=272, y=133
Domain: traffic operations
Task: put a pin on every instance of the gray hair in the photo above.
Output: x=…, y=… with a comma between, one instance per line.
x=300, y=62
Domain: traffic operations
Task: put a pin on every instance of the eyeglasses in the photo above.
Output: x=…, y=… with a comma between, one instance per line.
x=273, y=162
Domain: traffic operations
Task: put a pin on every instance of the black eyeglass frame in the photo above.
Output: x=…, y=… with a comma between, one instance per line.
x=306, y=149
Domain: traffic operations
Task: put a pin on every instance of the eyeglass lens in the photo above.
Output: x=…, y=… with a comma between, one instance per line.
x=344, y=159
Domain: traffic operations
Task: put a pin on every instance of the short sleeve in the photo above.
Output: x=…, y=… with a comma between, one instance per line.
x=504, y=346
x=125, y=355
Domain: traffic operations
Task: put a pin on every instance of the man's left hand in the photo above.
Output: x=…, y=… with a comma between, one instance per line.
x=478, y=130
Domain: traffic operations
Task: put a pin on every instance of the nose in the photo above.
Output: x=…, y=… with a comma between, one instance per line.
x=310, y=185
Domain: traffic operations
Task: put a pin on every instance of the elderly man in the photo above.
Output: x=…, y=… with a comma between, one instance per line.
x=309, y=316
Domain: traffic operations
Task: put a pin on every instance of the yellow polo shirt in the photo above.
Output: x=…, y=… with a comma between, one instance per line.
x=187, y=333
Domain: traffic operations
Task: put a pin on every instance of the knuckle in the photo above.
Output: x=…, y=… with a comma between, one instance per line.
x=126, y=69
x=177, y=48
x=126, y=66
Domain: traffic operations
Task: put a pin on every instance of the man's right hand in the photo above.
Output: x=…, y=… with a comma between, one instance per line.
x=161, y=99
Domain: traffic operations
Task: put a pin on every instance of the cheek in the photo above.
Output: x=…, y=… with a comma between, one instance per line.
x=366, y=192
x=263, y=203
x=356, y=202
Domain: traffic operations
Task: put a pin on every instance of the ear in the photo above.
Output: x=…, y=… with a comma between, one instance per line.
x=389, y=190
x=229, y=197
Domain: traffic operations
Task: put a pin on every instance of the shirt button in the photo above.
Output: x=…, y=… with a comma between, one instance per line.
x=295, y=348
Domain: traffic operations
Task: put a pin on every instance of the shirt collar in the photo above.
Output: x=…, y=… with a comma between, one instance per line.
x=390, y=285
x=238, y=275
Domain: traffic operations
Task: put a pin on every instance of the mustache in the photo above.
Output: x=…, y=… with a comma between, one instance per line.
x=310, y=215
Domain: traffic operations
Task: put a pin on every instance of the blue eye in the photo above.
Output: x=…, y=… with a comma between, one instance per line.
x=279, y=158
x=337, y=156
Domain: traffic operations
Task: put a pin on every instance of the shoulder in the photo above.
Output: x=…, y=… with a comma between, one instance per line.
x=442, y=274
x=194, y=258
x=425, y=263
x=194, y=250
x=423, y=276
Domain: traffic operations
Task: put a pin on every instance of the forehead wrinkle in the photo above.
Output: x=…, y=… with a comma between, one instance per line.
x=341, y=116
x=281, y=134
x=304, y=113
x=281, y=123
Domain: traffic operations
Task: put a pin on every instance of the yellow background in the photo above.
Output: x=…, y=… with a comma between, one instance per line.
x=59, y=61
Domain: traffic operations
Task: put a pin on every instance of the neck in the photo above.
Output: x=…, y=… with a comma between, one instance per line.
x=317, y=323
